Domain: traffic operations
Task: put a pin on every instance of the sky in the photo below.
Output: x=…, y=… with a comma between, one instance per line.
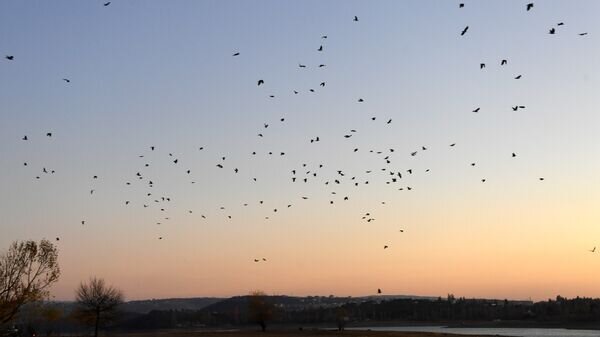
x=161, y=73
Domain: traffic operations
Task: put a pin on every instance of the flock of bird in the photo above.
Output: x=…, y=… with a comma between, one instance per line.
x=320, y=174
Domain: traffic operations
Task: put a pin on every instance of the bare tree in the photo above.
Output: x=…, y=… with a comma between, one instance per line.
x=97, y=302
x=27, y=270
x=260, y=310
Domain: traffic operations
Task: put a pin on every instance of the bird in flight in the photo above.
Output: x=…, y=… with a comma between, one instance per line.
x=593, y=250
x=261, y=82
x=503, y=62
x=552, y=31
x=379, y=291
x=481, y=65
x=518, y=77
x=355, y=18
x=476, y=110
x=320, y=48
x=9, y=57
x=66, y=80
x=583, y=34
x=24, y=137
x=461, y=5
x=529, y=6
x=464, y=31
x=106, y=4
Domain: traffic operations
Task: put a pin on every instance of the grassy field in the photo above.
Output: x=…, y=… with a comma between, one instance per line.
x=286, y=333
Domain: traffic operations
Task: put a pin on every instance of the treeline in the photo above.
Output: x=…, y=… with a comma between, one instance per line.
x=235, y=312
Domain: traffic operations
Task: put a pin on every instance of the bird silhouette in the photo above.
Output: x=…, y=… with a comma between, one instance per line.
x=593, y=250
x=9, y=57
x=236, y=54
x=66, y=80
x=355, y=18
x=503, y=62
x=518, y=77
x=261, y=82
x=464, y=31
x=552, y=31
x=476, y=110
x=529, y=6
x=107, y=3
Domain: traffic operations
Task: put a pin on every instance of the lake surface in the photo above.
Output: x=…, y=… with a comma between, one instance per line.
x=521, y=332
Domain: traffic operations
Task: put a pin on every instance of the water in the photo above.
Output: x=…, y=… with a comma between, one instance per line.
x=519, y=332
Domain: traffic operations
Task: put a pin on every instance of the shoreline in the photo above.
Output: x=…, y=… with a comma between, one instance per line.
x=483, y=324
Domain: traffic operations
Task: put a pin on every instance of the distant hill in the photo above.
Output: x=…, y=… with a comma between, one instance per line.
x=145, y=306
x=292, y=303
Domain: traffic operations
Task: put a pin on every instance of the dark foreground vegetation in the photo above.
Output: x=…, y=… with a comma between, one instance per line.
x=281, y=333
x=258, y=312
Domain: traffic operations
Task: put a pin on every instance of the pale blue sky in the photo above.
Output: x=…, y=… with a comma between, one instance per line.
x=161, y=73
